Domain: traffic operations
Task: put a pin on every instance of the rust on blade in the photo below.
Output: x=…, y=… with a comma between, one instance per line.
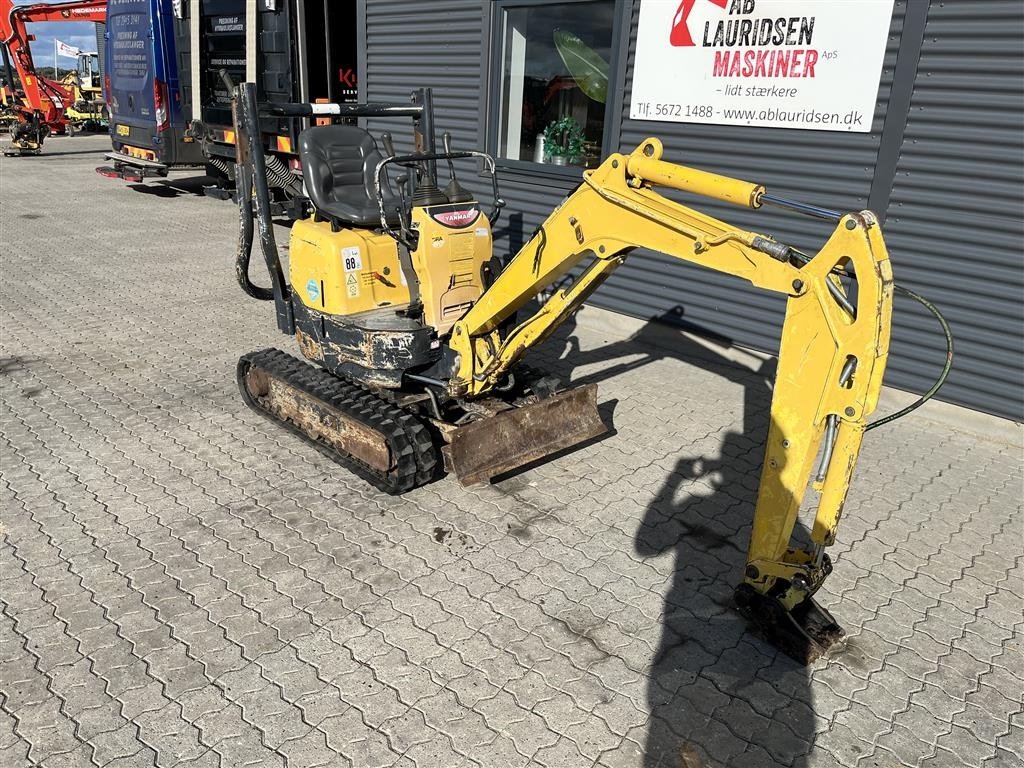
x=319, y=420
x=510, y=439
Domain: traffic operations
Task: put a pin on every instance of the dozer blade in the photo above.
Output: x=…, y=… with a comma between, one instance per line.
x=805, y=633
x=510, y=439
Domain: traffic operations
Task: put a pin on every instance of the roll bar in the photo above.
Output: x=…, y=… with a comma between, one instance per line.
x=252, y=187
x=373, y=109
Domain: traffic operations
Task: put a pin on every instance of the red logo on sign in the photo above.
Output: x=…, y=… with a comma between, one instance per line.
x=347, y=77
x=680, y=35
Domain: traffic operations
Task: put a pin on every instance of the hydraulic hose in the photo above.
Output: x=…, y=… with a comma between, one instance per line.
x=251, y=188
x=246, y=230
x=243, y=190
x=945, y=368
x=281, y=176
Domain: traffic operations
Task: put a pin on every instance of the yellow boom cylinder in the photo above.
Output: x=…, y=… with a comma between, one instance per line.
x=645, y=163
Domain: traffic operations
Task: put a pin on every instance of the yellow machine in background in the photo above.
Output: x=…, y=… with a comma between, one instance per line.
x=86, y=110
x=417, y=330
x=8, y=102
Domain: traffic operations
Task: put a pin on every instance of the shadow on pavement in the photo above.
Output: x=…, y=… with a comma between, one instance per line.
x=50, y=153
x=717, y=694
x=191, y=185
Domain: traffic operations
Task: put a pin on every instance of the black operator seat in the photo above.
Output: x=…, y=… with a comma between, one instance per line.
x=338, y=166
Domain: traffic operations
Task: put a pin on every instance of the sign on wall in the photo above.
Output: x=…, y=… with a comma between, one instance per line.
x=809, y=64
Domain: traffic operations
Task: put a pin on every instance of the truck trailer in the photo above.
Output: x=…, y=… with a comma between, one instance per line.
x=304, y=50
x=294, y=50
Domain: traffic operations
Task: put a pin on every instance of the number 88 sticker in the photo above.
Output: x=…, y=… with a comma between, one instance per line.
x=351, y=260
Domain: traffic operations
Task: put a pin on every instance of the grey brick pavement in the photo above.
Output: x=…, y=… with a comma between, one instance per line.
x=184, y=585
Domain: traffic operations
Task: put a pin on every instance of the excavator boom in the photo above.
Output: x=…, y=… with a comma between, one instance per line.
x=831, y=360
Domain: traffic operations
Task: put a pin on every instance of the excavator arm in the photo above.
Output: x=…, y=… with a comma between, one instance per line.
x=831, y=360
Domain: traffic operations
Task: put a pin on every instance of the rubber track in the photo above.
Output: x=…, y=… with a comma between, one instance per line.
x=410, y=442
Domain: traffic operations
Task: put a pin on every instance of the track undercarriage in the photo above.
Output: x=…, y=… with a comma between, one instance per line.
x=398, y=441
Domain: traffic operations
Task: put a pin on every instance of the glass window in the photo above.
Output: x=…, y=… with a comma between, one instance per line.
x=554, y=82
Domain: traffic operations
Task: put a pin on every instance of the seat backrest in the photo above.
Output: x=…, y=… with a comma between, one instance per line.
x=338, y=165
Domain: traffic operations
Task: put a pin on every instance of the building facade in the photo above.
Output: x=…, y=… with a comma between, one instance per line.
x=942, y=163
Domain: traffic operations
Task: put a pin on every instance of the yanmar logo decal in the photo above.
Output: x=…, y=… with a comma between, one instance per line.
x=455, y=218
x=680, y=35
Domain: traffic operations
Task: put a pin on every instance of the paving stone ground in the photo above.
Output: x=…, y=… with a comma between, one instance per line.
x=184, y=585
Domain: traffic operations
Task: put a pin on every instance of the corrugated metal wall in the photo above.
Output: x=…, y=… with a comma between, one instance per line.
x=412, y=44
x=829, y=168
x=955, y=225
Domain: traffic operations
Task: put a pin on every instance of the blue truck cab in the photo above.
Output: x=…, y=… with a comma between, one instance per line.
x=147, y=88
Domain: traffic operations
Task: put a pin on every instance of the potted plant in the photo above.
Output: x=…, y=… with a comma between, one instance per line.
x=563, y=141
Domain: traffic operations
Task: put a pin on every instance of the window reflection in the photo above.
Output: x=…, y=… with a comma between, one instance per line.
x=555, y=65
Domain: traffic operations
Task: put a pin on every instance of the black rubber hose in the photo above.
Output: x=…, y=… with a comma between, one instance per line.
x=246, y=229
x=243, y=189
x=260, y=191
x=945, y=368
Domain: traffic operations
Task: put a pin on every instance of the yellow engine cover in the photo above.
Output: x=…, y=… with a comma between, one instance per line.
x=355, y=270
x=454, y=244
x=341, y=273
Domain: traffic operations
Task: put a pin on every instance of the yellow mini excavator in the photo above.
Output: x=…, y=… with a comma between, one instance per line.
x=411, y=326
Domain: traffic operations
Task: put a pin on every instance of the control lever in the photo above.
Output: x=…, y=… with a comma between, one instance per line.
x=405, y=184
x=454, y=191
x=408, y=180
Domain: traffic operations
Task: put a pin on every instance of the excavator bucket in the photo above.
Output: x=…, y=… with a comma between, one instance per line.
x=512, y=438
x=805, y=633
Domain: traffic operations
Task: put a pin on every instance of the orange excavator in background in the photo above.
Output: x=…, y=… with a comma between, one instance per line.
x=42, y=108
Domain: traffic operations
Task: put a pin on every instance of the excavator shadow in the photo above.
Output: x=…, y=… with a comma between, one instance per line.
x=715, y=691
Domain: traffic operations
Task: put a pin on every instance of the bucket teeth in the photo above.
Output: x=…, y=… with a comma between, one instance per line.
x=805, y=633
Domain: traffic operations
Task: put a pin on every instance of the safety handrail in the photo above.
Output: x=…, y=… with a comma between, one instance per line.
x=417, y=157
